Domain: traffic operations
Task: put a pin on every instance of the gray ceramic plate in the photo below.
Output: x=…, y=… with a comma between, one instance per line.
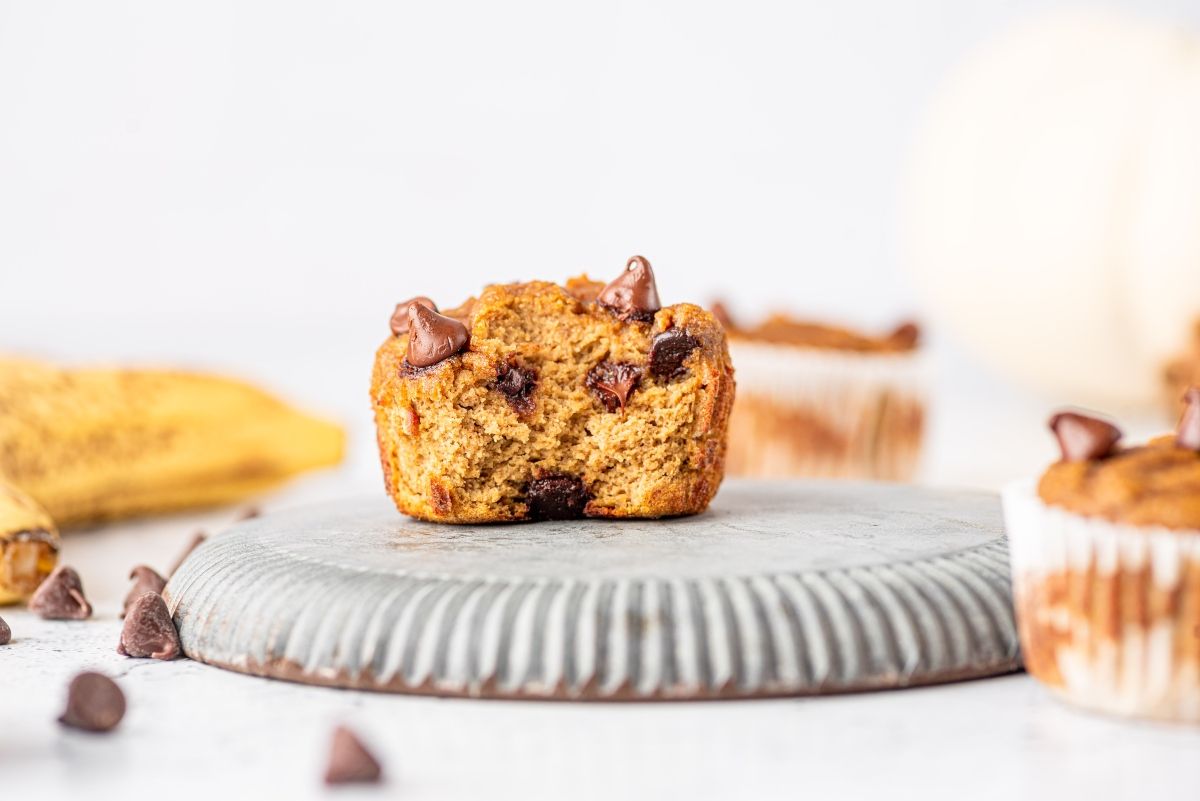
x=787, y=588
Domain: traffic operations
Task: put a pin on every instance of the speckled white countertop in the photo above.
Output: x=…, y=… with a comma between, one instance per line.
x=198, y=732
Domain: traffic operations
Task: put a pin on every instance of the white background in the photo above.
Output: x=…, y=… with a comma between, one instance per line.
x=251, y=186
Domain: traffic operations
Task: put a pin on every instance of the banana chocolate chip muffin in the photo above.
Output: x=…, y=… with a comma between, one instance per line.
x=538, y=401
x=822, y=401
x=1106, y=568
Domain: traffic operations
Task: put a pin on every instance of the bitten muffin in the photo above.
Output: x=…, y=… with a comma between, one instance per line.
x=538, y=401
x=1106, y=568
x=822, y=401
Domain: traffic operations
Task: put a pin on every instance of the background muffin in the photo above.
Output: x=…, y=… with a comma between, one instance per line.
x=822, y=401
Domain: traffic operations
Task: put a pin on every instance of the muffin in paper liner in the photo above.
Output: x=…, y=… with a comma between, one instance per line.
x=826, y=413
x=1108, y=613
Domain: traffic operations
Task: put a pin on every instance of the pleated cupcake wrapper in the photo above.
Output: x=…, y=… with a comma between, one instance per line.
x=1109, y=614
x=874, y=401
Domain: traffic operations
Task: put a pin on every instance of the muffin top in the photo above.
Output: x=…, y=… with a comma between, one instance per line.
x=1156, y=484
x=784, y=329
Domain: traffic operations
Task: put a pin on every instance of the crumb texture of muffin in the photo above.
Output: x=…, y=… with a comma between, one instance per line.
x=1105, y=552
x=559, y=406
x=823, y=401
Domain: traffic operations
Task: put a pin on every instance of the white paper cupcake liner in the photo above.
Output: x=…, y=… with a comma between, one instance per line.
x=824, y=413
x=1109, y=614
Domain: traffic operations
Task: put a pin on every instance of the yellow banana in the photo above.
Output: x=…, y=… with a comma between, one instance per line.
x=28, y=545
x=96, y=444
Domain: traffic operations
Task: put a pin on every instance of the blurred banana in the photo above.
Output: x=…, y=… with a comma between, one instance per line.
x=28, y=545
x=95, y=444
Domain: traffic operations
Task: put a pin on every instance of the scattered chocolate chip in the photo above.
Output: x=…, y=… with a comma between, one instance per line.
x=399, y=320
x=149, y=630
x=433, y=338
x=249, y=513
x=556, y=498
x=613, y=382
x=668, y=352
x=633, y=294
x=145, y=579
x=195, y=542
x=350, y=761
x=1187, y=433
x=60, y=597
x=723, y=316
x=94, y=703
x=5, y=632
x=517, y=384
x=1082, y=438
x=906, y=336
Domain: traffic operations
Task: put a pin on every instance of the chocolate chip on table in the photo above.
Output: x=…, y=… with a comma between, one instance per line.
x=399, y=320
x=349, y=760
x=149, y=630
x=433, y=338
x=613, y=382
x=94, y=703
x=5, y=632
x=144, y=579
x=632, y=295
x=1082, y=438
x=516, y=384
x=556, y=498
x=668, y=352
x=60, y=597
x=1187, y=433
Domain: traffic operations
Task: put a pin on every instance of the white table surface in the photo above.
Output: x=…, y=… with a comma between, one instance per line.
x=193, y=731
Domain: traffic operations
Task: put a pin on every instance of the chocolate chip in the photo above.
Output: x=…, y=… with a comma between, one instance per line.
x=1187, y=433
x=195, y=542
x=149, y=630
x=5, y=632
x=633, y=294
x=612, y=383
x=1082, y=438
x=399, y=320
x=433, y=338
x=60, y=597
x=94, y=703
x=668, y=352
x=905, y=337
x=517, y=384
x=556, y=497
x=723, y=316
x=350, y=761
x=145, y=579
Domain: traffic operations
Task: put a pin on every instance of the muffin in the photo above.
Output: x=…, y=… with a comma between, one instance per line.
x=822, y=401
x=1106, y=568
x=538, y=401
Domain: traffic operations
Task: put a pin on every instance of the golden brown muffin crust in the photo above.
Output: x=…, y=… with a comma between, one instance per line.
x=1157, y=484
x=460, y=441
x=783, y=329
